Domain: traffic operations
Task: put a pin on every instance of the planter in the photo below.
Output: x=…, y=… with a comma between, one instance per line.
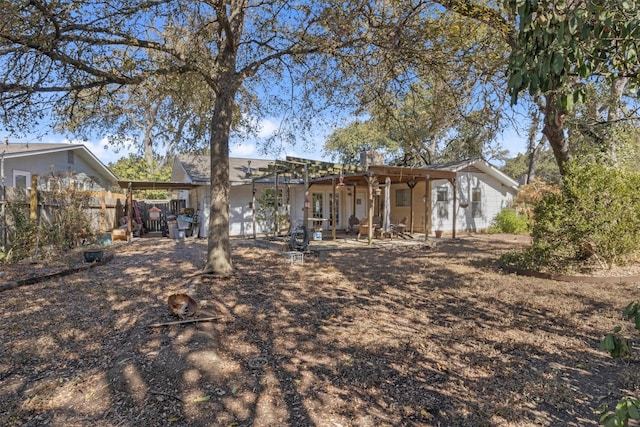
x=93, y=255
x=438, y=233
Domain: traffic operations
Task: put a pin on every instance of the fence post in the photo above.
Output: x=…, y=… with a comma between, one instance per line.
x=33, y=204
x=103, y=211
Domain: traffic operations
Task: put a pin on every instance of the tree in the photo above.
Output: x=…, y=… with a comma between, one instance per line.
x=546, y=167
x=440, y=94
x=63, y=53
x=135, y=167
x=561, y=46
x=163, y=115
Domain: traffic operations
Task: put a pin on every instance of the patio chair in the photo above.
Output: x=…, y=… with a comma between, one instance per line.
x=364, y=227
x=400, y=227
x=354, y=225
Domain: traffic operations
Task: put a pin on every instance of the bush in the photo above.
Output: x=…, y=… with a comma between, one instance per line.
x=595, y=215
x=509, y=221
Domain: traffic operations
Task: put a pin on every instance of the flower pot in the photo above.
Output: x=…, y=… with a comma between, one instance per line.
x=93, y=255
x=438, y=233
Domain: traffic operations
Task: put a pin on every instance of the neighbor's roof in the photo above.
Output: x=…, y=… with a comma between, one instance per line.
x=198, y=168
x=15, y=150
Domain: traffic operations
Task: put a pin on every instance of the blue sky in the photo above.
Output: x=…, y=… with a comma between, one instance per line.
x=244, y=149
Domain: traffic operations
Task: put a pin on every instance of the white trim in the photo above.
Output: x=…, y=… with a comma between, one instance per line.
x=26, y=174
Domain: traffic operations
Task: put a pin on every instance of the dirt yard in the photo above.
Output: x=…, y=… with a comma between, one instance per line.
x=397, y=336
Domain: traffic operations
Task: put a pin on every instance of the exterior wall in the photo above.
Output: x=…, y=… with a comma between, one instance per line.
x=494, y=197
x=44, y=164
x=240, y=210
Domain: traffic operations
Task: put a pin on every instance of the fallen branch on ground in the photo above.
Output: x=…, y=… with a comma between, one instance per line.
x=180, y=322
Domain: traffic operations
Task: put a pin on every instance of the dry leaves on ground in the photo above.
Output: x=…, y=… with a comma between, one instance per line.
x=393, y=336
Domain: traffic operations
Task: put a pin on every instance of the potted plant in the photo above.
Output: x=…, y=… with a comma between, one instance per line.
x=438, y=233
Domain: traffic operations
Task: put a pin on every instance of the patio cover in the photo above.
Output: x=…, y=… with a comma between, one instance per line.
x=148, y=185
x=375, y=175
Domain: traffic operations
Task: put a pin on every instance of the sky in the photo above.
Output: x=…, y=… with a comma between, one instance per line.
x=244, y=149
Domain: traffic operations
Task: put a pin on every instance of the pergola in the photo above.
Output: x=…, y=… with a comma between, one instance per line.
x=374, y=175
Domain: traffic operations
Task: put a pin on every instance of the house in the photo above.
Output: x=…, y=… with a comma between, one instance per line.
x=73, y=164
x=482, y=191
x=246, y=183
x=336, y=192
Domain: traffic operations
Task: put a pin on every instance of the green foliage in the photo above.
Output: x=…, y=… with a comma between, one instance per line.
x=617, y=347
x=266, y=212
x=546, y=169
x=596, y=215
x=136, y=168
x=558, y=42
x=22, y=232
x=63, y=223
x=509, y=220
x=628, y=408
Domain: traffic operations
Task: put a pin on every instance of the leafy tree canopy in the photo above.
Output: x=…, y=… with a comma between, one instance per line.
x=135, y=167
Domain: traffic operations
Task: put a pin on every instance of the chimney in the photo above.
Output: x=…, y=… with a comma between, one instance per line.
x=371, y=158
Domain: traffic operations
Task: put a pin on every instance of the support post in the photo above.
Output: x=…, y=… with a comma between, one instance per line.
x=333, y=208
x=33, y=202
x=129, y=211
x=427, y=207
x=455, y=210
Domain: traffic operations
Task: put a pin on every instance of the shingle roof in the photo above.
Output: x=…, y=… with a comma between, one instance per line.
x=198, y=167
x=15, y=149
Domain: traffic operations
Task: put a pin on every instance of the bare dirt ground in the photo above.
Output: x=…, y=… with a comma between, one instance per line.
x=396, y=336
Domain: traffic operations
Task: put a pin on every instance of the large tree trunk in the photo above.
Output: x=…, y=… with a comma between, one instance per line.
x=554, y=131
x=219, y=246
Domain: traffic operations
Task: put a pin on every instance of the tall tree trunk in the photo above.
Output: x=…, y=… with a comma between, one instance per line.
x=147, y=141
x=219, y=246
x=615, y=113
x=554, y=131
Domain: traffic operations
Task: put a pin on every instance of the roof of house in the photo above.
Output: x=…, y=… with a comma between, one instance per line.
x=477, y=165
x=15, y=150
x=198, y=168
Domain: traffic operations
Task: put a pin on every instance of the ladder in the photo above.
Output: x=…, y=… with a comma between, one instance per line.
x=137, y=217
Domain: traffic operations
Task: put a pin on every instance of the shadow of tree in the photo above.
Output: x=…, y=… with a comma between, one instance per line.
x=396, y=336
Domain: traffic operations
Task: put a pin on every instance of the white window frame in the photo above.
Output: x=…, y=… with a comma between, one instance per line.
x=26, y=174
x=476, y=202
x=442, y=203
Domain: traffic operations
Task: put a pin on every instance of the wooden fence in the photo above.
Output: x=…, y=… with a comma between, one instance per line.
x=104, y=209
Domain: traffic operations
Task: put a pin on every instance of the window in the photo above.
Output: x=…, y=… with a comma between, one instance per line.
x=317, y=205
x=21, y=179
x=71, y=157
x=442, y=201
x=476, y=203
x=403, y=197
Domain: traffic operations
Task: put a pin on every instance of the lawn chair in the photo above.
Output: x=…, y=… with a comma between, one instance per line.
x=364, y=227
x=400, y=227
x=354, y=225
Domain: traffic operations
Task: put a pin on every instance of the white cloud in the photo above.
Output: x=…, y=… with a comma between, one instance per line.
x=105, y=152
x=267, y=128
x=242, y=150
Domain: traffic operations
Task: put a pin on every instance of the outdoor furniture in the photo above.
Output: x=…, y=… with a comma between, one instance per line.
x=354, y=225
x=400, y=227
x=364, y=227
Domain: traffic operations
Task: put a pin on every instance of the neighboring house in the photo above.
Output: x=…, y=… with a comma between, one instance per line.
x=482, y=191
x=69, y=164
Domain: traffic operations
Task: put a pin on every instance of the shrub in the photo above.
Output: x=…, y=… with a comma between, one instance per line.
x=595, y=215
x=509, y=221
